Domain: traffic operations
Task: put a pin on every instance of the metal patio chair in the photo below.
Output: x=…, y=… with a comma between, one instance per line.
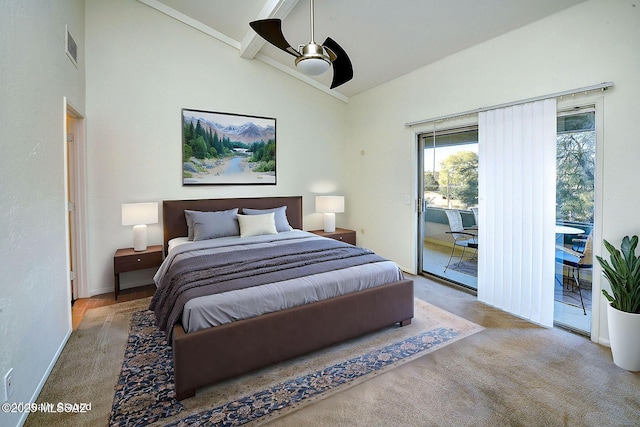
x=577, y=261
x=461, y=237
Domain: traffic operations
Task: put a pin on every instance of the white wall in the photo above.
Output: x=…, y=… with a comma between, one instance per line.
x=590, y=43
x=142, y=68
x=35, y=313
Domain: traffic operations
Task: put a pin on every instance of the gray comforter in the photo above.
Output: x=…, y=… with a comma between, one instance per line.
x=208, y=273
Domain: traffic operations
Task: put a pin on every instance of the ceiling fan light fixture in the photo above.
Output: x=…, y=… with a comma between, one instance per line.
x=313, y=61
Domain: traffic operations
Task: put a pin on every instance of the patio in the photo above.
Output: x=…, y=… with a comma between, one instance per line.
x=437, y=249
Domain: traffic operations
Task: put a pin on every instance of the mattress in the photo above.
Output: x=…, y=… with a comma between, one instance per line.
x=218, y=309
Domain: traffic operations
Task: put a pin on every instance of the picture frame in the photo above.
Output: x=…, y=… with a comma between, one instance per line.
x=227, y=149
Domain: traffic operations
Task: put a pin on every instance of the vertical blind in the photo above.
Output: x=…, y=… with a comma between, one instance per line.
x=516, y=189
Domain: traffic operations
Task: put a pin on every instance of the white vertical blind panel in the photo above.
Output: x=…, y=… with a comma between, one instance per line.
x=517, y=155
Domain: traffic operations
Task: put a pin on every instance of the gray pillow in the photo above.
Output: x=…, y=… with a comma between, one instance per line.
x=188, y=216
x=211, y=225
x=280, y=214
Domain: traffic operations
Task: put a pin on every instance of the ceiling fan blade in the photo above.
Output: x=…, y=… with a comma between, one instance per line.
x=271, y=31
x=342, y=69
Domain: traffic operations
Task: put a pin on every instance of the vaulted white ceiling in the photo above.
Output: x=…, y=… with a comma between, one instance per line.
x=384, y=39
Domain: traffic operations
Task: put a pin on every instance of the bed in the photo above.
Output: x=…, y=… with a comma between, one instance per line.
x=211, y=354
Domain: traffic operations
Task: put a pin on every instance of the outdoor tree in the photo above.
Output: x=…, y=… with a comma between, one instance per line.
x=575, y=158
x=459, y=177
x=430, y=182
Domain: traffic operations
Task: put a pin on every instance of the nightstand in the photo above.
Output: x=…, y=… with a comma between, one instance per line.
x=129, y=260
x=342, y=234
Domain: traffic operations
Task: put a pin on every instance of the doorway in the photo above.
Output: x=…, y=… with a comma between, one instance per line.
x=575, y=203
x=448, y=181
x=448, y=194
x=75, y=201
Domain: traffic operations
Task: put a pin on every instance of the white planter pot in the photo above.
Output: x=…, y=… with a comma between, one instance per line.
x=624, y=337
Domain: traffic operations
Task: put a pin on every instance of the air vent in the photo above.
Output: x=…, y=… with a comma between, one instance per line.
x=71, y=48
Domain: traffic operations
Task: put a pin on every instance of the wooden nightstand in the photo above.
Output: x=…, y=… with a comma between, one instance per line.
x=129, y=260
x=342, y=234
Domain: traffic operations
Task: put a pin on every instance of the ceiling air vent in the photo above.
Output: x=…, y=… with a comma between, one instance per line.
x=71, y=48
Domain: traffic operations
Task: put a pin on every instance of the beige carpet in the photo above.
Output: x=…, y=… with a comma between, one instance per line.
x=89, y=366
x=512, y=373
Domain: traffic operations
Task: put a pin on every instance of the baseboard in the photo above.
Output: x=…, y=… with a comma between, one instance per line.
x=129, y=285
x=404, y=269
x=45, y=377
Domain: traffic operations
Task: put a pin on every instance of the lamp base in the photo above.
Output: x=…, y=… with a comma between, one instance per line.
x=140, y=237
x=329, y=222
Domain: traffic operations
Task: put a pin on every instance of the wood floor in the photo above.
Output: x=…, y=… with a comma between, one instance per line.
x=81, y=305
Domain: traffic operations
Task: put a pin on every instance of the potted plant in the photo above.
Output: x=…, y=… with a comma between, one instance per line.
x=623, y=311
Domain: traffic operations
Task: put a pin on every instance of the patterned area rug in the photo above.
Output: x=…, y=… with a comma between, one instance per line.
x=263, y=403
x=145, y=394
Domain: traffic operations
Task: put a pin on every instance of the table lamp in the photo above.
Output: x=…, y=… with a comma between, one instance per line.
x=139, y=215
x=329, y=206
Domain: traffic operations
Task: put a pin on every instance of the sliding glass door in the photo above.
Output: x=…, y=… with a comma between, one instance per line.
x=575, y=180
x=448, y=182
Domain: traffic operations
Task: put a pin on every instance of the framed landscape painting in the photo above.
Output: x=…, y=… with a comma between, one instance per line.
x=227, y=149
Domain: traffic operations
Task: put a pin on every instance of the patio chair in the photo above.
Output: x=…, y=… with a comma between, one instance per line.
x=578, y=243
x=461, y=237
x=577, y=261
x=475, y=214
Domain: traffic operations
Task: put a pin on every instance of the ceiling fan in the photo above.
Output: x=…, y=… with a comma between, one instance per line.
x=311, y=59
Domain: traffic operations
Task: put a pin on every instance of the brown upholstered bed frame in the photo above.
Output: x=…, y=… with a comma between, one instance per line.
x=211, y=355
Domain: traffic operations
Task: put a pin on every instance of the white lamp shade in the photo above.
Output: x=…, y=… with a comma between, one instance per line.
x=329, y=204
x=139, y=213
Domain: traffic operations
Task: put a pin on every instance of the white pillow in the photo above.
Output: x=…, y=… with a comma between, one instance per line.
x=282, y=223
x=256, y=225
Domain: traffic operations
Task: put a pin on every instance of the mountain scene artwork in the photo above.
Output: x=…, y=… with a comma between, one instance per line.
x=227, y=149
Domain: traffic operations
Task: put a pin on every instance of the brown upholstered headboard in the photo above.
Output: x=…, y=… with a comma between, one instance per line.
x=175, y=224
